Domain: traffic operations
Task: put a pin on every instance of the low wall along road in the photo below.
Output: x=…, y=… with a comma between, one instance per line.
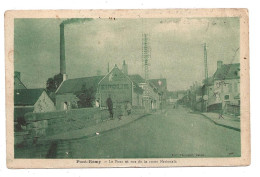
x=44, y=125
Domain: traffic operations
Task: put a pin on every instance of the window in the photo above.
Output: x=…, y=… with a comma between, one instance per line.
x=226, y=97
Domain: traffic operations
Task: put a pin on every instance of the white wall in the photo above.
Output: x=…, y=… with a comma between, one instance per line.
x=44, y=104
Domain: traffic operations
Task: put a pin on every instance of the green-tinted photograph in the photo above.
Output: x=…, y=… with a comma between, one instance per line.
x=103, y=88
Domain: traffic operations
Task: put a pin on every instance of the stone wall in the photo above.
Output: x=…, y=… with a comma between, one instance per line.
x=51, y=123
x=40, y=125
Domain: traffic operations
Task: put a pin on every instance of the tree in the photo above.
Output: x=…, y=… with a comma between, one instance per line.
x=53, y=83
x=86, y=96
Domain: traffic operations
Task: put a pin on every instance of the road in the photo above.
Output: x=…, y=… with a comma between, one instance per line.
x=172, y=133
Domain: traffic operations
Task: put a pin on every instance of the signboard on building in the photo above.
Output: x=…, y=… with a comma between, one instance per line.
x=117, y=86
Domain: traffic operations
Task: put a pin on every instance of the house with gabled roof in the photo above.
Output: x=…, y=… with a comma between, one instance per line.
x=227, y=83
x=31, y=100
x=66, y=94
x=161, y=86
x=224, y=86
x=151, y=95
x=119, y=86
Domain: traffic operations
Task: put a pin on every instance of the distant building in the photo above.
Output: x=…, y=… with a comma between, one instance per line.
x=31, y=100
x=172, y=97
x=161, y=86
x=151, y=95
x=175, y=96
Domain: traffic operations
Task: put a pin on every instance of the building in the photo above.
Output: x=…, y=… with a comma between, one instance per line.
x=161, y=86
x=223, y=89
x=31, y=100
x=151, y=95
x=115, y=84
x=195, y=95
x=172, y=97
x=69, y=90
x=208, y=96
x=120, y=87
x=17, y=81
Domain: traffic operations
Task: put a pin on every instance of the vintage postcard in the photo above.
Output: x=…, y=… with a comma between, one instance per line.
x=127, y=88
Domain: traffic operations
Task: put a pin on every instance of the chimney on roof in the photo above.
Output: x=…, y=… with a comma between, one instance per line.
x=125, y=68
x=219, y=64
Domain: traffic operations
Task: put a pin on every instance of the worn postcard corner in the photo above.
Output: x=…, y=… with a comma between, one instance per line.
x=127, y=88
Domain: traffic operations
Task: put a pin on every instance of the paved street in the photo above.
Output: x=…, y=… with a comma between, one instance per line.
x=171, y=133
x=174, y=133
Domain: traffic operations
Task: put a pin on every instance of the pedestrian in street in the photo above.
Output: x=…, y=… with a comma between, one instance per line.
x=119, y=110
x=161, y=106
x=221, y=114
x=128, y=108
x=110, y=106
x=97, y=104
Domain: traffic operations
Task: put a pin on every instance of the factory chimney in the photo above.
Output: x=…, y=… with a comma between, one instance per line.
x=62, y=53
x=125, y=68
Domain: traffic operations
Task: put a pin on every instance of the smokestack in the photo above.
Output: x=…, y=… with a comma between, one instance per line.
x=62, y=52
x=125, y=68
x=219, y=64
x=62, y=42
x=108, y=67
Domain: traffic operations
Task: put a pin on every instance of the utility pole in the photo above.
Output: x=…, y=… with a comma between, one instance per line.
x=146, y=54
x=206, y=75
x=205, y=62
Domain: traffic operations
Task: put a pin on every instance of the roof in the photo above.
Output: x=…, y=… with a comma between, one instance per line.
x=75, y=85
x=18, y=84
x=159, y=83
x=136, y=78
x=227, y=71
x=27, y=97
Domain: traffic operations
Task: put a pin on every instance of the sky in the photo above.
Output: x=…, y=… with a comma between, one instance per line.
x=177, y=52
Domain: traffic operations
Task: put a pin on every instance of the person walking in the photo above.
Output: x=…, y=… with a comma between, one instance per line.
x=110, y=106
x=119, y=110
x=128, y=108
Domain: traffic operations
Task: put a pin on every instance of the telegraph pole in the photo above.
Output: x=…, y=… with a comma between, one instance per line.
x=146, y=54
x=205, y=62
x=206, y=74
